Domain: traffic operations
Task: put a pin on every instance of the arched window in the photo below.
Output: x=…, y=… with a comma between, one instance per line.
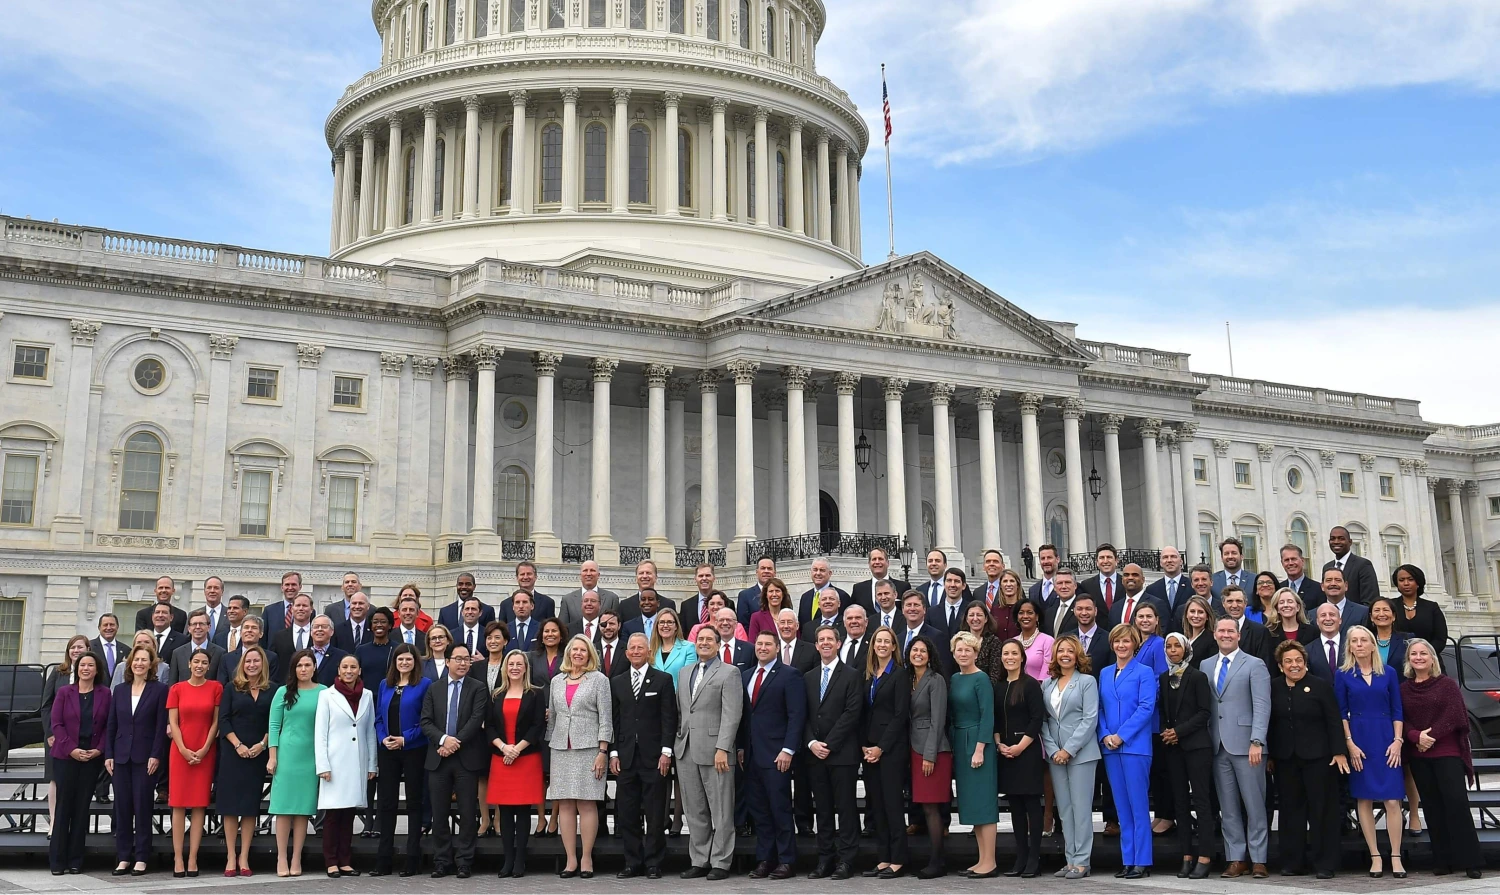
x=513, y=504
x=677, y=17
x=556, y=13
x=712, y=23
x=450, y=23
x=1297, y=533
x=424, y=21
x=771, y=30
x=505, y=151
x=140, y=483
x=552, y=163
x=596, y=13
x=745, y=24
x=684, y=169
x=640, y=164
x=750, y=180
x=439, y=163
x=517, y=17
x=595, y=163
x=780, y=189
x=638, y=13
x=409, y=186
x=481, y=18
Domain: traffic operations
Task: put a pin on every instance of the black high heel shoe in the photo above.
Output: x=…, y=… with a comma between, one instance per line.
x=1187, y=867
x=1377, y=874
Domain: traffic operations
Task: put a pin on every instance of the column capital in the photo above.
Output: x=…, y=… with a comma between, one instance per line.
x=457, y=366
x=84, y=331
x=369, y=130
x=656, y=375
x=570, y=94
x=545, y=363
x=985, y=398
x=774, y=399
x=220, y=346
x=603, y=368
x=846, y=382
x=1187, y=430
x=708, y=381
x=796, y=377
x=743, y=371
x=1455, y=487
x=1030, y=402
x=822, y=137
x=840, y=147
x=351, y=144
x=1433, y=482
x=621, y=95
x=392, y=364
x=422, y=365
x=1265, y=450
x=1221, y=447
x=1072, y=409
x=1111, y=423
x=1148, y=427
x=677, y=388
x=308, y=355
x=893, y=387
x=519, y=97
x=1408, y=465
x=393, y=121
x=719, y=105
x=472, y=102
x=762, y=113
x=671, y=99
x=430, y=111
x=1168, y=437
x=1327, y=458
x=487, y=357
x=940, y=392
x=1422, y=468
x=1367, y=462
x=796, y=123
x=741, y=121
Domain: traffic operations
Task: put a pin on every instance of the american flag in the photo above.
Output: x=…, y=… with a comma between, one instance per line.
x=885, y=102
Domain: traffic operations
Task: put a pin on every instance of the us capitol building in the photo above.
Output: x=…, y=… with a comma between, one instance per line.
x=596, y=289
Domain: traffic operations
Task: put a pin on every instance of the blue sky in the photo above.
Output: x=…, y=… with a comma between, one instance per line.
x=1320, y=173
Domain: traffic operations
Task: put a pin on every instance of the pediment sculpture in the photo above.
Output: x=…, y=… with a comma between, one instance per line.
x=909, y=313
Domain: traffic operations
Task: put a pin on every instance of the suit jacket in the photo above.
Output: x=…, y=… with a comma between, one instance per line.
x=343, y=635
x=744, y=654
x=137, y=736
x=708, y=719
x=473, y=703
x=1157, y=590
x=274, y=615
x=374, y=661
x=1099, y=651
x=1034, y=593
x=925, y=589
x=746, y=603
x=543, y=607
x=450, y=618
x=419, y=639
x=570, y=606
x=1256, y=640
x=230, y=664
x=1074, y=726
x=618, y=661
x=336, y=611
x=1091, y=585
x=460, y=635
x=691, y=610
x=809, y=631
x=887, y=711
x=1049, y=612
x=1359, y=575
x=938, y=618
x=804, y=656
x=776, y=719
x=67, y=718
x=220, y=632
x=328, y=669
x=174, y=640
x=897, y=622
x=1186, y=710
x=1242, y=711
x=863, y=592
x=1354, y=613
x=527, y=643
x=541, y=669
x=833, y=715
x=1247, y=582
x=943, y=661
x=1117, y=614
x=1317, y=657
x=184, y=653
x=630, y=607
x=807, y=605
x=1305, y=720
x=644, y=724
x=1127, y=707
x=411, y=713
x=857, y=651
x=929, y=716
x=143, y=619
x=585, y=722
x=96, y=646
x=284, y=645
x=1311, y=593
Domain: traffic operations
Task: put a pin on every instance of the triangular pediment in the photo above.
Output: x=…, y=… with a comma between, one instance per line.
x=921, y=298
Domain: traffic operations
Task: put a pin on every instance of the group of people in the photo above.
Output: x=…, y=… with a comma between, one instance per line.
x=758, y=715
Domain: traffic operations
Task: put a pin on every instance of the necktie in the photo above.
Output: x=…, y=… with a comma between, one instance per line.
x=213, y=621
x=286, y=615
x=471, y=641
x=635, y=682
x=1046, y=588
x=728, y=655
x=991, y=599
x=935, y=592
x=359, y=634
x=885, y=620
x=588, y=630
x=952, y=616
x=823, y=688
x=698, y=673
x=301, y=638
x=109, y=657
x=1129, y=608
x=787, y=653
x=760, y=675
x=453, y=690
x=410, y=638
x=161, y=643
x=702, y=610
x=1083, y=640
x=1109, y=593
x=1333, y=661
x=1172, y=591
x=521, y=634
x=1223, y=673
x=609, y=653
x=234, y=640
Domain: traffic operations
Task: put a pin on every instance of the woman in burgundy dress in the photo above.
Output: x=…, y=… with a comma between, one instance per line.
x=193, y=725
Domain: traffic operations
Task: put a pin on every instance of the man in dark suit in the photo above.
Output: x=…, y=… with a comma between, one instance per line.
x=611, y=645
x=1172, y=589
x=1231, y=555
x=1255, y=639
x=932, y=588
x=886, y=612
x=648, y=604
x=1295, y=566
x=197, y=639
x=406, y=625
x=287, y=641
x=915, y=624
x=771, y=731
x=1133, y=594
x=1057, y=612
x=470, y=630
x=1106, y=585
x=1335, y=592
x=645, y=725
x=790, y=646
x=524, y=626
x=354, y=631
x=1326, y=654
x=167, y=639
x=987, y=590
x=276, y=614
x=165, y=589
x=748, y=600
x=835, y=692
x=449, y=615
x=213, y=604
x=1089, y=627
x=645, y=579
x=1201, y=580
x=810, y=605
x=543, y=607
x=453, y=722
x=826, y=614
x=324, y=652
x=250, y=635
x=732, y=650
x=948, y=615
x=856, y=642
x=1362, y=584
x=863, y=592
x=106, y=649
x=1042, y=589
x=338, y=610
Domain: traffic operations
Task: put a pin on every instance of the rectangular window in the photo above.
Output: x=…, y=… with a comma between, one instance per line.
x=30, y=362
x=1393, y=554
x=1495, y=505
x=638, y=13
x=263, y=384
x=343, y=506
x=1206, y=543
x=1242, y=474
x=12, y=615
x=18, y=497
x=676, y=18
x=1388, y=489
x=556, y=13
x=1346, y=482
x=517, y=16
x=596, y=13
x=1250, y=556
x=255, y=503
x=1200, y=470
x=348, y=392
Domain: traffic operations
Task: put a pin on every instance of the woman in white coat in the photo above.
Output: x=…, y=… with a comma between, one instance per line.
x=343, y=742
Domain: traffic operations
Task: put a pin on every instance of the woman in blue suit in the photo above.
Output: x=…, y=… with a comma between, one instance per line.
x=1127, y=713
x=403, y=749
x=135, y=746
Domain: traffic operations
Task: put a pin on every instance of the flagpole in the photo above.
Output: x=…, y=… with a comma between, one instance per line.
x=890, y=211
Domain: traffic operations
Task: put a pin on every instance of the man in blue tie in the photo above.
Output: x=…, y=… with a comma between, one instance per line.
x=834, y=702
x=105, y=647
x=1231, y=554
x=1171, y=590
x=1240, y=714
x=524, y=625
x=932, y=589
x=453, y=722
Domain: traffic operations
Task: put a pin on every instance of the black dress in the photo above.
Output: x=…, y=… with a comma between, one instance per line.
x=241, y=780
x=1023, y=775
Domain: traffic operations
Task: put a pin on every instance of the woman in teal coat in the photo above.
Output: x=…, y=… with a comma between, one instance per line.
x=971, y=728
x=294, y=778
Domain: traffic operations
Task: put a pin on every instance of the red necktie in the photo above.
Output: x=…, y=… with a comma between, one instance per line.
x=703, y=610
x=755, y=690
x=609, y=653
x=1129, y=608
x=588, y=630
x=728, y=655
x=991, y=601
x=1109, y=593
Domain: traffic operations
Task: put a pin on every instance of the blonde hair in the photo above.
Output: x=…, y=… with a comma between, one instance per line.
x=527, y=685
x=1350, y=663
x=567, y=666
x=427, y=644
x=1129, y=632
x=1301, y=607
x=968, y=639
x=262, y=680
x=1437, y=665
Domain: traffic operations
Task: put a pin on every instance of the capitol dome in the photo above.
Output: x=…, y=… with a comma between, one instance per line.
x=691, y=139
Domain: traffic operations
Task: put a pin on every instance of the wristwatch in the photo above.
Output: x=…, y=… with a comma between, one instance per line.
x=1257, y=743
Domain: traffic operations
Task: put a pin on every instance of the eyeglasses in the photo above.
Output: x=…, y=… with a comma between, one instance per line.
x=460, y=658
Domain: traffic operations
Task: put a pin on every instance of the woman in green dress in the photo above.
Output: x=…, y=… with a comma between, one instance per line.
x=971, y=729
x=294, y=779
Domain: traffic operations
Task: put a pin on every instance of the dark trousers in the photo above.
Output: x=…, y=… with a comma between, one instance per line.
x=515, y=830
x=1308, y=793
x=75, y=789
x=769, y=794
x=452, y=780
x=1161, y=784
x=1445, y=806
x=641, y=794
x=885, y=782
x=1026, y=820
x=1190, y=776
x=338, y=831
x=802, y=792
x=835, y=797
x=395, y=767
x=134, y=791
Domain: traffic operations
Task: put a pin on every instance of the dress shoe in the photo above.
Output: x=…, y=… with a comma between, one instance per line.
x=1187, y=867
x=761, y=871
x=1259, y=871
x=1474, y=873
x=585, y=874
x=1137, y=872
x=463, y=873
x=990, y=874
x=892, y=873
x=120, y=871
x=842, y=871
x=568, y=874
x=822, y=871
x=1325, y=874
x=872, y=872
x=931, y=871
x=1200, y=870
x=1029, y=871
x=1111, y=829
x=439, y=873
x=1235, y=870
x=378, y=872
x=1292, y=871
x=348, y=871
x=138, y=871
x=695, y=873
x=407, y=873
x=627, y=873
x=718, y=873
x=1078, y=873
x=1062, y=871
x=1120, y=874
x=653, y=873
x=782, y=871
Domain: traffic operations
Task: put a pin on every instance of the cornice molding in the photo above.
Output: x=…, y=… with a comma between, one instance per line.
x=1322, y=421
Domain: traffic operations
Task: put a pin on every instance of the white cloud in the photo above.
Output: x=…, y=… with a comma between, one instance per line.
x=1011, y=79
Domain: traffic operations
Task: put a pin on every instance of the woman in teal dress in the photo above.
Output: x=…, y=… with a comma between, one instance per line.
x=971, y=729
x=294, y=779
x=671, y=652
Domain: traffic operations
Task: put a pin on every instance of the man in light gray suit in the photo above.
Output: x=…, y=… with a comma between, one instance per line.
x=197, y=629
x=1241, y=713
x=570, y=605
x=710, y=701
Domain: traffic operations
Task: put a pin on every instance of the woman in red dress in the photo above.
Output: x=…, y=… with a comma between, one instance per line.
x=193, y=725
x=516, y=725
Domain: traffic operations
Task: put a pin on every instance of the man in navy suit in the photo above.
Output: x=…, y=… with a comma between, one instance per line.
x=250, y=635
x=1330, y=645
x=610, y=642
x=915, y=624
x=748, y=601
x=449, y=615
x=1335, y=591
x=1106, y=585
x=543, y=607
x=338, y=610
x=645, y=579
x=1295, y=566
x=808, y=608
x=213, y=604
x=694, y=608
x=166, y=588
x=771, y=731
x=1133, y=580
x=734, y=652
x=354, y=631
x=864, y=591
x=1041, y=591
x=1360, y=581
x=1057, y=612
x=1231, y=554
x=1172, y=589
x=948, y=615
x=523, y=623
x=275, y=615
x=324, y=652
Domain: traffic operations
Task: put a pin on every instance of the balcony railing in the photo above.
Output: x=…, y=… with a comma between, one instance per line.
x=634, y=556
x=577, y=553
x=516, y=551
x=1148, y=560
x=825, y=543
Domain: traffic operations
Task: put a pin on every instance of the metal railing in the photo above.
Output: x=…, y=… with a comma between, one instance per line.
x=688, y=558
x=576, y=553
x=515, y=551
x=1148, y=560
x=824, y=543
x=455, y=551
x=634, y=556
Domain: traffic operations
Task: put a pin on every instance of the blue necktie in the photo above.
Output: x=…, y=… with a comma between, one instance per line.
x=1172, y=592
x=823, y=688
x=454, y=689
x=1223, y=673
x=521, y=634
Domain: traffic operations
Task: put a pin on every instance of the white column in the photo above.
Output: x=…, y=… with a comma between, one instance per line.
x=456, y=369
x=677, y=462
x=1475, y=514
x=810, y=450
x=796, y=450
x=392, y=367
x=349, y=217
x=841, y=171
x=671, y=187
x=542, y=532
x=520, y=180
x=656, y=458
x=1078, y=538
x=395, y=171
x=1151, y=481
x=846, y=383
x=1460, y=537
x=910, y=417
x=1174, y=488
x=418, y=534
x=794, y=217
x=620, y=163
x=1035, y=531
x=744, y=450
x=1434, y=524
x=776, y=510
x=762, y=169
x=482, y=528
x=367, y=181
x=68, y=524
x=599, y=479
x=208, y=538
x=1113, y=488
x=989, y=486
x=336, y=228
x=471, y=157
x=721, y=174
x=708, y=468
x=570, y=173
x=1186, y=432
x=429, y=161
x=825, y=200
x=942, y=465
x=856, y=244
x=895, y=460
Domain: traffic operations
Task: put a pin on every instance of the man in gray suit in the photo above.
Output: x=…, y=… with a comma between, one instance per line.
x=570, y=606
x=197, y=628
x=1241, y=713
x=709, y=704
